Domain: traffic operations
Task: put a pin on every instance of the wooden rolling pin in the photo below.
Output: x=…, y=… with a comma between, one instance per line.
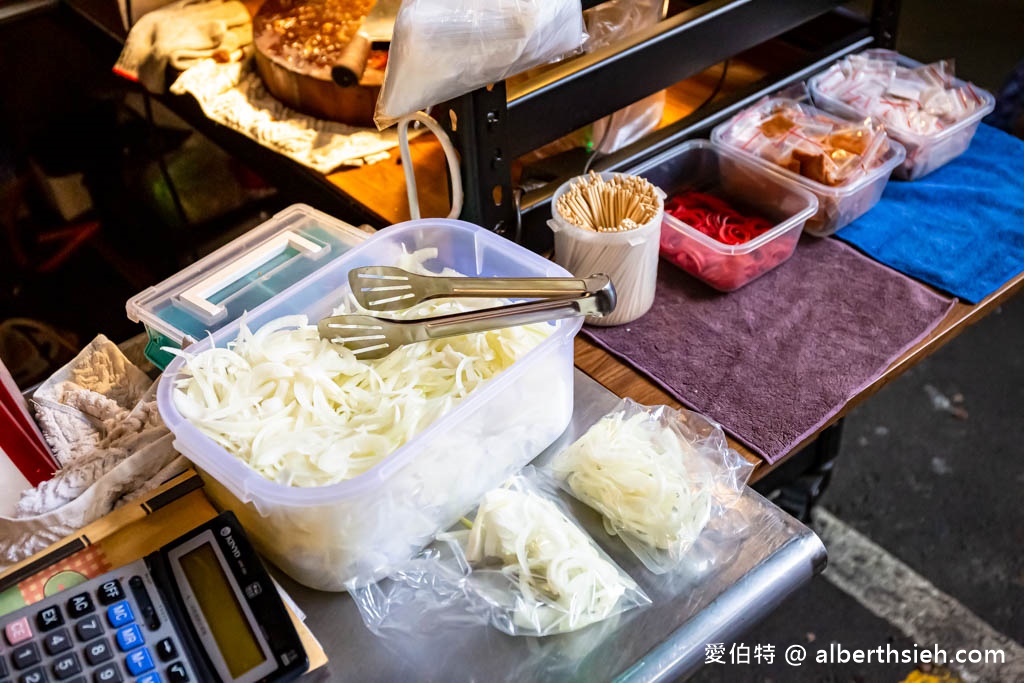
x=352, y=61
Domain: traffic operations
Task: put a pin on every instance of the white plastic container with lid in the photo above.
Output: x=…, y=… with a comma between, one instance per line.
x=838, y=206
x=239, y=276
x=629, y=258
x=356, y=531
x=701, y=166
x=924, y=153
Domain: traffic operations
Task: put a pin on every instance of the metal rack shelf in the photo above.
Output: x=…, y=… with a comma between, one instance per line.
x=492, y=126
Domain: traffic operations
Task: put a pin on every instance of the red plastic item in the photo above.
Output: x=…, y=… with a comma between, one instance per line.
x=724, y=272
x=717, y=219
x=20, y=439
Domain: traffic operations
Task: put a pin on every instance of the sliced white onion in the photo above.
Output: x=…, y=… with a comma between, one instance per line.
x=306, y=412
x=563, y=580
x=642, y=477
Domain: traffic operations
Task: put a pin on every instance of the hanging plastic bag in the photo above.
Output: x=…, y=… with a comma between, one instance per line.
x=525, y=567
x=656, y=475
x=606, y=24
x=445, y=48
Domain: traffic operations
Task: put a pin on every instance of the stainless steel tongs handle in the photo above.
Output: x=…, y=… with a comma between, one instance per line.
x=370, y=337
x=526, y=313
x=386, y=288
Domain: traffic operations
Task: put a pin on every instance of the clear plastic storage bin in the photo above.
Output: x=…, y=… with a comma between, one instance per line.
x=703, y=167
x=239, y=276
x=837, y=206
x=356, y=531
x=924, y=153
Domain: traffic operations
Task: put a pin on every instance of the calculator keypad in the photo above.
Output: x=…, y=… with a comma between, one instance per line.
x=102, y=633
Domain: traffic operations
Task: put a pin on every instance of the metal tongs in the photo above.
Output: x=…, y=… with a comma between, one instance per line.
x=384, y=288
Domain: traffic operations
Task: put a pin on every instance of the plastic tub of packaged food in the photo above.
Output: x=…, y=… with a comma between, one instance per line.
x=355, y=531
x=701, y=166
x=239, y=276
x=838, y=205
x=924, y=153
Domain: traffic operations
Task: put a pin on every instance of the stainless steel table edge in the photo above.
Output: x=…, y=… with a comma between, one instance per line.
x=734, y=612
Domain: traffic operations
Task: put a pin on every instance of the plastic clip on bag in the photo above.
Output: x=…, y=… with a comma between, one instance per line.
x=525, y=567
x=445, y=48
x=656, y=475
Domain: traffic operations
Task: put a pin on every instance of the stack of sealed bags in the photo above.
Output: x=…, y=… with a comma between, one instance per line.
x=924, y=106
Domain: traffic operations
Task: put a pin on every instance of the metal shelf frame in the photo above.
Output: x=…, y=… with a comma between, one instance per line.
x=492, y=126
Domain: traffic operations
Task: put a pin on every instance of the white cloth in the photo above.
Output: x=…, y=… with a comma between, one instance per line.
x=182, y=34
x=99, y=415
x=233, y=95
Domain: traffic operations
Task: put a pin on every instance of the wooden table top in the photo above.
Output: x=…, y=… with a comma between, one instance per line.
x=624, y=381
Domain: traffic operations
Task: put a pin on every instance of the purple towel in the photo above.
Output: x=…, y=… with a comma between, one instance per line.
x=775, y=359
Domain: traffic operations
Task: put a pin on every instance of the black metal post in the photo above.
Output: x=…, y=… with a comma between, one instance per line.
x=477, y=123
x=885, y=19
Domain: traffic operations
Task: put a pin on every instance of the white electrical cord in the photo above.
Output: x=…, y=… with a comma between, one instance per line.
x=449, y=153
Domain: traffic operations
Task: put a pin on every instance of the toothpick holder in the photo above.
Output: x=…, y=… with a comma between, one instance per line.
x=629, y=258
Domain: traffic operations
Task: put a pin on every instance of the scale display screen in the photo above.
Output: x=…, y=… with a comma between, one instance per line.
x=227, y=622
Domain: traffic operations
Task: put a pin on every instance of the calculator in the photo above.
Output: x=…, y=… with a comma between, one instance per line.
x=201, y=609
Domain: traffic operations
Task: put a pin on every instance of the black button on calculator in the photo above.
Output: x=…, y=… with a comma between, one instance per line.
x=98, y=651
x=165, y=650
x=49, y=618
x=110, y=592
x=66, y=666
x=176, y=673
x=107, y=674
x=56, y=642
x=36, y=675
x=80, y=605
x=25, y=656
x=87, y=629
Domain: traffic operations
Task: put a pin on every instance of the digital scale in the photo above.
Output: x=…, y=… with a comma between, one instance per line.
x=200, y=609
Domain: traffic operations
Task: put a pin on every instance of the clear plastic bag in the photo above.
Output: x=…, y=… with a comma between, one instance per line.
x=445, y=48
x=606, y=24
x=525, y=567
x=921, y=100
x=658, y=476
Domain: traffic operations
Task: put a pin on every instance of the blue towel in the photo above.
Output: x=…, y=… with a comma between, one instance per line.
x=961, y=227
